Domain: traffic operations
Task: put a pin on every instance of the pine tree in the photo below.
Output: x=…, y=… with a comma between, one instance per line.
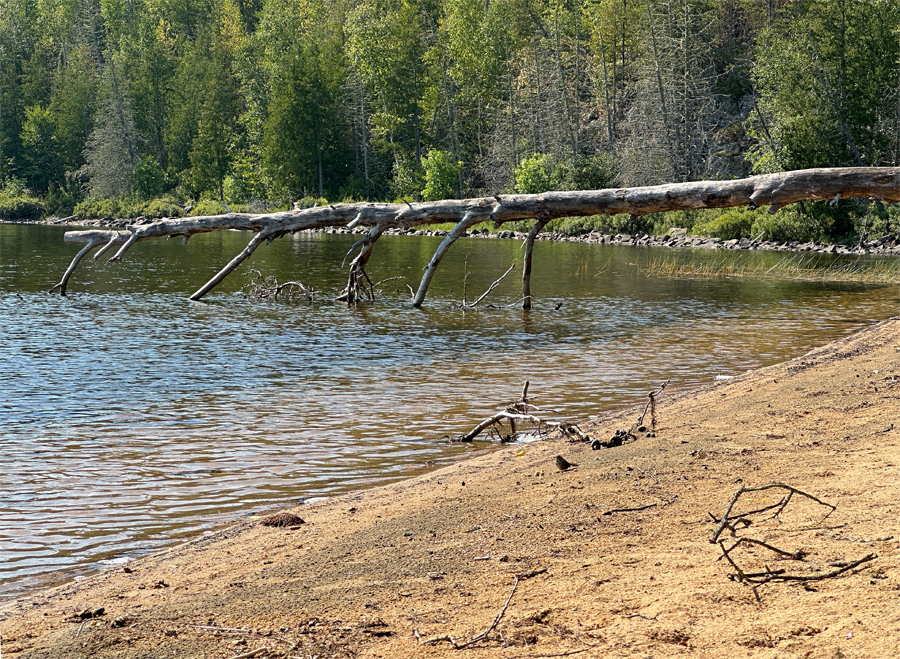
x=112, y=148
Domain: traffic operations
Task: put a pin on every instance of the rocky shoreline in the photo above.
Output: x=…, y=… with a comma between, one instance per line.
x=678, y=238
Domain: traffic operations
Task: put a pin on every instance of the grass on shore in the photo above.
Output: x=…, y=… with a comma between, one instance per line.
x=798, y=267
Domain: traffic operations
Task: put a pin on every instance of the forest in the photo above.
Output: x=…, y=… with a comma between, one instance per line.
x=164, y=108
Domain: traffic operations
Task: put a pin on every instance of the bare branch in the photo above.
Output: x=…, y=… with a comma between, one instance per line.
x=723, y=524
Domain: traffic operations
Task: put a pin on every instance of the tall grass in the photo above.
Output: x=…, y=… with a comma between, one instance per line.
x=798, y=267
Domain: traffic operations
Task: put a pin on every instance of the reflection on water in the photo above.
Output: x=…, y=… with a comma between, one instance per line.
x=132, y=417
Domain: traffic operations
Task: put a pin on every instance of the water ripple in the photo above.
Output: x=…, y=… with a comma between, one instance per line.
x=132, y=417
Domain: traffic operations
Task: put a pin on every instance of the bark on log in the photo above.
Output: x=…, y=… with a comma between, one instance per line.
x=774, y=190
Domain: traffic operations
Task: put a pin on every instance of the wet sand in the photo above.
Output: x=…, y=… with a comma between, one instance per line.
x=611, y=558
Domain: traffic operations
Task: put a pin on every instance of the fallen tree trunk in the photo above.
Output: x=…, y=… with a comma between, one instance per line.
x=773, y=190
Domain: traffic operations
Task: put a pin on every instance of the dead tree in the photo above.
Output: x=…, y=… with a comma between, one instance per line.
x=773, y=190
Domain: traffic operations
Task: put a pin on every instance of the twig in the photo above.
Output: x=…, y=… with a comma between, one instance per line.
x=628, y=510
x=512, y=304
x=474, y=639
x=757, y=579
x=496, y=622
x=467, y=305
x=762, y=578
x=792, y=490
x=646, y=474
x=432, y=641
x=78, y=633
x=252, y=653
x=236, y=630
x=748, y=513
x=796, y=555
x=651, y=405
x=465, y=279
x=560, y=654
x=818, y=577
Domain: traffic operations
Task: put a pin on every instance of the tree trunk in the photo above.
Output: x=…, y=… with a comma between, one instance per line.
x=774, y=190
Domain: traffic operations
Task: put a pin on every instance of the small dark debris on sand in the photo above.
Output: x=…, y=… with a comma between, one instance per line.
x=282, y=519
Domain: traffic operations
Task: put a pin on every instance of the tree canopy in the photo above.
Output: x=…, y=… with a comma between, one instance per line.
x=242, y=100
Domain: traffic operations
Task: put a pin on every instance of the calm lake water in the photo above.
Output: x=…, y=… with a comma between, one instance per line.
x=131, y=417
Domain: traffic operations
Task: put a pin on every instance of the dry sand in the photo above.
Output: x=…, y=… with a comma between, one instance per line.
x=440, y=554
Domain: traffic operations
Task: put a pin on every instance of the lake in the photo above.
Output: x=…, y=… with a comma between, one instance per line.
x=131, y=417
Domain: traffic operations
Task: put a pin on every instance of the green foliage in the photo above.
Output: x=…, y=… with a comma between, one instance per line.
x=542, y=173
x=729, y=223
x=244, y=183
x=302, y=136
x=102, y=209
x=41, y=165
x=14, y=187
x=538, y=173
x=592, y=172
x=310, y=202
x=19, y=206
x=827, y=83
x=159, y=208
x=407, y=181
x=441, y=175
x=128, y=208
x=73, y=108
x=792, y=223
x=876, y=219
x=147, y=178
x=207, y=207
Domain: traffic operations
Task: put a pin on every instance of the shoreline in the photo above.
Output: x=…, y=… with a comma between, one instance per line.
x=888, y=245
x=611, y=558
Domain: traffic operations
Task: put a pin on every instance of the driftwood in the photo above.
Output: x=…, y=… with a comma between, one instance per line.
x=774, y=190
x=261, y=287
x=465, y=304
x=521, y=411
x=735, y=523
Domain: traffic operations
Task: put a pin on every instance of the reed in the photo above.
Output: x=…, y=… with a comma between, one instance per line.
x=798, y=267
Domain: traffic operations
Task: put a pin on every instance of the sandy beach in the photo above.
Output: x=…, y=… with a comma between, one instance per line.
x=505, y=555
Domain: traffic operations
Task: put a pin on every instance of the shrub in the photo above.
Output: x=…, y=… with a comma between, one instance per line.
x=729, y=223
x=441, y=175
x=791, y=223
x=244, y=183
x=407, y=181
x=542, y=172
x=207, y=207
x=159, y=208
x=98, y=209
x=309, y=202
x=20, y=208
x=875, y=220
x=593, y=172
x=538, y=173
